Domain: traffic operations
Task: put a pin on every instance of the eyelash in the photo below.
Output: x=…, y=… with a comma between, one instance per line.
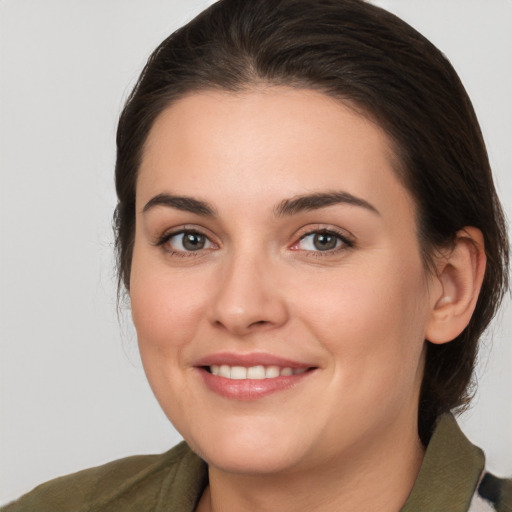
x=346, y=243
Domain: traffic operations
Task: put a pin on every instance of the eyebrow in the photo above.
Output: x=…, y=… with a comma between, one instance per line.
x=183, y=203
x=320, y=200
x=286, y=207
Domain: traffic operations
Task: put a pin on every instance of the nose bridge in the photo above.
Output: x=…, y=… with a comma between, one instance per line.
x=247, y=295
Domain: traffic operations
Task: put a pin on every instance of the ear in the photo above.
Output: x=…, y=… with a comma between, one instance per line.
x=460, y=272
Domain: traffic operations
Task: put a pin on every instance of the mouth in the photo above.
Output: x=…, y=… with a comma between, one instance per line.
x=249, y=377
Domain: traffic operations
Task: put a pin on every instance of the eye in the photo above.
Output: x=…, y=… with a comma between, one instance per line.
x=322, y=241
x=186, y=241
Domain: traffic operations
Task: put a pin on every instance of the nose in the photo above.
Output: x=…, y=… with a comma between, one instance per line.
x=249, y=298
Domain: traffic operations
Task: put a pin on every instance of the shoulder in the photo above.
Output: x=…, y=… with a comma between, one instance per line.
x=133, y=483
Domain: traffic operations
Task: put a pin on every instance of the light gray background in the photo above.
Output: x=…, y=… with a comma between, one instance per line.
x=73, y=393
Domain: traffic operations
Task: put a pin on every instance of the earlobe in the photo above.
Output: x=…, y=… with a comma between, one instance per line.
x=459, y=280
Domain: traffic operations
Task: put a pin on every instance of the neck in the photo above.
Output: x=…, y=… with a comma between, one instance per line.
x=378, y=476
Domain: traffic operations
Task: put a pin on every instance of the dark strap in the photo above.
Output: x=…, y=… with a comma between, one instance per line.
x=498, y=491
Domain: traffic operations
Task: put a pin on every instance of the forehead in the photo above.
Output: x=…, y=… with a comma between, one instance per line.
x=265, y=141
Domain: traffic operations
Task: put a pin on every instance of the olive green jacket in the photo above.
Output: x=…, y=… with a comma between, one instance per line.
x=451, y=479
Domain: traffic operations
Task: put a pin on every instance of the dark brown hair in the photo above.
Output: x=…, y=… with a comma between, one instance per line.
x=363, y=55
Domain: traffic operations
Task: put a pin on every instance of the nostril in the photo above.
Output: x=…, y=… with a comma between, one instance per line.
x=258, y=324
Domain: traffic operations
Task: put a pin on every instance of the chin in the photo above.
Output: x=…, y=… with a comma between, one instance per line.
x=249, y=451
x=249, y=461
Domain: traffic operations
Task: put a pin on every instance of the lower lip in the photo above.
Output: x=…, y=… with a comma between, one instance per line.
x=250, y=389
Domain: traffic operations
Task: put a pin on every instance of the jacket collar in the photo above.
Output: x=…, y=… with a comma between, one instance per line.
x=447, y=480
x=450, y=471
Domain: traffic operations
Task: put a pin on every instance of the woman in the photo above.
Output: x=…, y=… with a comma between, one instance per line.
x=312, y=244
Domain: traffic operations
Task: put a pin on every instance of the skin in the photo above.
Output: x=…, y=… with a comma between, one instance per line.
x=345, y=437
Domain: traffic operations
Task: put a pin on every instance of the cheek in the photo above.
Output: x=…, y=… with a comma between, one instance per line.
x=372, y=322
x=373, y=329
x=166, y=310
x=164, y=319
x=165, y=306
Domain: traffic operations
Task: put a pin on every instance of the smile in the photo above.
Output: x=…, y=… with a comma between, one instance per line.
x=258, y=372
x=251, y=376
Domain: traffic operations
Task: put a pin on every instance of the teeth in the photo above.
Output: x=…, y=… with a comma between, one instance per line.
x=256, y=372
x=225, y=371
x=271, y=372
x=253, y=372
x=238, y=372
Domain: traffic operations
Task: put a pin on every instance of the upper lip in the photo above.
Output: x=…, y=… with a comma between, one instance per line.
x=248, y=360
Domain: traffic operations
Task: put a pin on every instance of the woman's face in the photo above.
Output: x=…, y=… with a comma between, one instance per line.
x=277, y=286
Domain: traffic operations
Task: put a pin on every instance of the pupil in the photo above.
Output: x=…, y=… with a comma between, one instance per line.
x=324, y=241
x=193, y=241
